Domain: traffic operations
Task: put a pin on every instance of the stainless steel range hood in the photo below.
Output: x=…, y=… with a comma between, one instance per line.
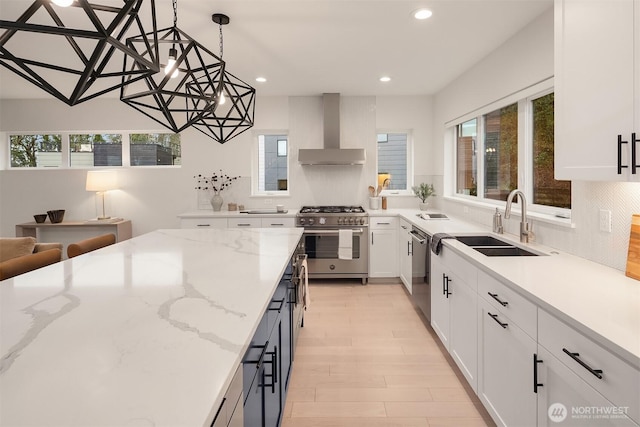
x=331, y=154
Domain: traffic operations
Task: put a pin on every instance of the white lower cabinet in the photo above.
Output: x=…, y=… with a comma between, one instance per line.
x=505, y=368
x=405, y=246
x=527, y=366
x=454, y=300
x=383, y=242
x=565, y=399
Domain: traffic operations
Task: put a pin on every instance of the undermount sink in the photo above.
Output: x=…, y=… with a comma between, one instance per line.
x=504, y=251
x=490, y=246
x=482, y=241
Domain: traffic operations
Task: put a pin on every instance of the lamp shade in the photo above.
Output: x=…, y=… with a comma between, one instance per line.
x=102, y=180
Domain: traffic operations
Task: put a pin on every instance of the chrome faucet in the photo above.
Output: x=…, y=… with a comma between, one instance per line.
x=525, y=227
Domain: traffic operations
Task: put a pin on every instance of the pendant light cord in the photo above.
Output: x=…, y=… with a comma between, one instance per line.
x=221, y=44
x=175, y=13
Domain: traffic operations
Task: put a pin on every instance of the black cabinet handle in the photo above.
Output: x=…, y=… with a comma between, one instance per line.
x=576, y=357
x=281, y=301
x=445, y=285
x=372, y=237
x=620, y=166
x=261, y=358
x=495, y=297
x=274, y=370
x=224, y=399
x=634, y=166
x=203, y=225
x=536, y=384
x=495, y=317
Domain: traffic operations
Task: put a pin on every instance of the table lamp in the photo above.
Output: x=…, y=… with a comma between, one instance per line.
x=102, y=181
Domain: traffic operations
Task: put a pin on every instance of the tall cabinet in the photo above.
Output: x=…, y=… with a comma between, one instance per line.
x=597, y=90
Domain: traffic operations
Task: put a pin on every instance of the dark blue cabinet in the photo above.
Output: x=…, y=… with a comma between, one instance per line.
x=267, y=363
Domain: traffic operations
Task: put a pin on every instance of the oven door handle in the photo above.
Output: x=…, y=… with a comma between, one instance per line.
x=333, y=231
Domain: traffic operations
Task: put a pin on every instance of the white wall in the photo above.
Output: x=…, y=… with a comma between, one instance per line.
x=525, y=59
x=153, y=197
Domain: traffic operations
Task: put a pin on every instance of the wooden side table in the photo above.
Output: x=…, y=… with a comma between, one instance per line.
x=67, y=232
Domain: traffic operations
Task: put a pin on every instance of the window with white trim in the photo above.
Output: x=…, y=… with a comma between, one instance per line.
x=507, y=147
x=271, y=164
x=394, y=168
x=95, y=149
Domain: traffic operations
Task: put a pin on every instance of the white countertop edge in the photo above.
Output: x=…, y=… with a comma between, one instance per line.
x=203, y=213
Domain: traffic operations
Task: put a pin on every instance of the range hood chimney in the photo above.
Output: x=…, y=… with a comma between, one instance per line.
x=331, y=154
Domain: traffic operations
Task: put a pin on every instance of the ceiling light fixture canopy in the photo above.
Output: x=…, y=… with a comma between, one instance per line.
x=34, y=46
x=234, y=112
x=189, y=85
x=422, y=14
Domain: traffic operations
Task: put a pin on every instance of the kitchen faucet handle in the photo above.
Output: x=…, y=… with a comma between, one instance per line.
x=531, y=236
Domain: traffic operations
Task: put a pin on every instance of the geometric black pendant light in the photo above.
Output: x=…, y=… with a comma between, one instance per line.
x=75, y=53
x=185, y=88
x=235, y=109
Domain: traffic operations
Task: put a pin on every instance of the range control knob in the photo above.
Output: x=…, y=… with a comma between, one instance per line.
x=302, y=221
x=339, y=220
x=361, y=221
x=351, y=221
x=311, y=221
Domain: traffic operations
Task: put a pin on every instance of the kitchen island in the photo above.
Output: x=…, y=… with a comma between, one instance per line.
x=149, y=331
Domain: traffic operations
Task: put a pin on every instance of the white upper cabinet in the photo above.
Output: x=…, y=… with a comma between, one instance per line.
x=597, y=89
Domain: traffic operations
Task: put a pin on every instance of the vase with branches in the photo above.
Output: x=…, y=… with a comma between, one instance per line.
x=423, y=192
x=215, y=183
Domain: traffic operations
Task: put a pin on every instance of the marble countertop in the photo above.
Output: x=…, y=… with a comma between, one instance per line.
x=146, y=332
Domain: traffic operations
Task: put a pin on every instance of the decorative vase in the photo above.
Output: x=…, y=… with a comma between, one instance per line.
x=424, y=206
x=216, y=202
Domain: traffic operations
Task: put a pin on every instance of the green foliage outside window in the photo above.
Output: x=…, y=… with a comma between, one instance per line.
x=24, y=148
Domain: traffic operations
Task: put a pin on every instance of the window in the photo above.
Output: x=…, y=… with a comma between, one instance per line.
x=35, y=151
x=95, y=149
x=88, y=150
x=501, y=152
x=154, y=149
x=393, y=161
x=546, y=190
x=272, y=174
x=496, y=133
x=466, y=159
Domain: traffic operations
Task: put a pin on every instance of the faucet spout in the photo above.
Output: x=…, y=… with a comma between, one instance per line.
x=524, y=225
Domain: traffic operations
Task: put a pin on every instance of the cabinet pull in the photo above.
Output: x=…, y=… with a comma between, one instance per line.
x=243, y=225
x=620, y=166
x=495, y=317
x=536, y=384
x=281, y=301
x=634, y=166
x=576, y=357
x=261, y=358
x=445, y=285
x=372, y=237
x=409, y=244
x=495, y=297
x=224, y=399
x=383, y=223
x=273, y=224
x=403, y=227
x=203, y=225
x=274, y=369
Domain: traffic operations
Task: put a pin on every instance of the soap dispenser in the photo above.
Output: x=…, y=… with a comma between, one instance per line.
x=497, y=222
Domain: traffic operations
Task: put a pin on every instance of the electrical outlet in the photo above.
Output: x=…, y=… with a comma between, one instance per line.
x=268, y=201
x=605, y=220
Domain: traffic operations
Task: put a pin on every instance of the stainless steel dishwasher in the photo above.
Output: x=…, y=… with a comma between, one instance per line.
x=421, y=268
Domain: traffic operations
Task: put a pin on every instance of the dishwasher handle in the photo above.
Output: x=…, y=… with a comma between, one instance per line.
x=417, y=237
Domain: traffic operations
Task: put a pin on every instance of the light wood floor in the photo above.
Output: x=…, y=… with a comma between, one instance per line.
x=366, y=359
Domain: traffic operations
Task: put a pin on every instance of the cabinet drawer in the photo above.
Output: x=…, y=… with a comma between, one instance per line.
x=278, y=222
x=244, y=222
x=383, y=222
x=620, y=382
x=230, y=401
x=462, y=268
x=516, y=307
x=203, y=223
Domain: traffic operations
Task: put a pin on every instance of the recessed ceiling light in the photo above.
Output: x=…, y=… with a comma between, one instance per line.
x=261, y=79
x=385, y=79
x=422, y=14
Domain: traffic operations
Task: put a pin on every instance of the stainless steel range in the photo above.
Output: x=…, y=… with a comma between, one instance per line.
x=336, y=240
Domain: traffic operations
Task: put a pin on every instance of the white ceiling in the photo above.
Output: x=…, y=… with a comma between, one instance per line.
x=309, y=47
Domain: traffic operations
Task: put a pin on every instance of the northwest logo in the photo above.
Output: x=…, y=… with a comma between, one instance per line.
x=557, y=412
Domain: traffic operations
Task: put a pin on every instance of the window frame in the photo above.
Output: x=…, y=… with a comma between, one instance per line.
x=255, y=163
x=410, y=162
x=524, y=100
x=66, y=148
